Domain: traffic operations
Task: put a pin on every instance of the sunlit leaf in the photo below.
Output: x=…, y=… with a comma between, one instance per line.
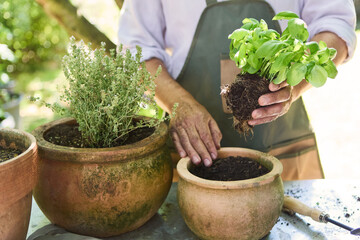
x=282, y=60
x=268, y=49
x=296, y=74
x=297, y=29
x=322, y=44
x=318, y=76
x=332, y=53
x=281, y=76
x=313, y=47
x=263, y=25
x=324, y=55
x=286, y=15
x=330, y=68
x=239, y=34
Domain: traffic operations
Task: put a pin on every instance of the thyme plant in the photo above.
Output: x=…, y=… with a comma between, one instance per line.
x=105, y=92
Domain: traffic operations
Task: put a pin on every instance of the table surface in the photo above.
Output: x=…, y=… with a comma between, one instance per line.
x=339, y=198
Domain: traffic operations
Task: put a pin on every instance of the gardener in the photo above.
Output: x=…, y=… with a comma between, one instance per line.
x=189, y=40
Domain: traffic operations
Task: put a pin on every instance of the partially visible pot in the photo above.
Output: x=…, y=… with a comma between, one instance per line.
x=245, y=209
x=13, y=107
x=17, y=179
x=8, y=121
x=102, y=192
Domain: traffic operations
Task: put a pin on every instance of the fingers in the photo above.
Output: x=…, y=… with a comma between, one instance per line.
x=269, y=113
x=274, y=104
x=189, y=142
x=195, y=134
x=282, y=95
x=254, y=122
x=216, y=134
x=274, y=87
x=185, y=143
x=176, y=139
x=199, y=141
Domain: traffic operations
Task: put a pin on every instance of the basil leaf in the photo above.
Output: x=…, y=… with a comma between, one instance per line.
x=309, y=67
x=269, y=49
x=282, y=60
x=286, y=15
x=250, y=20
x=324, y=55
x=254, y=62
x=297, y=29
x=313, y=47
x=251, y=70
x=281, y=76
x=318, y=76
x=240, y=56
x=239, y=34
x=296, y=74
x=332, y=53
x=322, y=44
x=271, y=33
x=263, y=25
x=330, y=68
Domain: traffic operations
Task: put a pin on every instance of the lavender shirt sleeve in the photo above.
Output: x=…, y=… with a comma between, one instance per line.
x=337, y=16
x=142, y=23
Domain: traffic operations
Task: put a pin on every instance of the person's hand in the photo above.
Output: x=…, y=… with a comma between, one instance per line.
x=195, y=133
x=274, y=104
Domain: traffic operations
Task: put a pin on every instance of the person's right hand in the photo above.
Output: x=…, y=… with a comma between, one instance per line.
x=195, y=133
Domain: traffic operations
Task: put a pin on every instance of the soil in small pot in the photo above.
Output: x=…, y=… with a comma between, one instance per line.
x=8, y=153
x=70, y=136
x=230, y=169
x=242, y=97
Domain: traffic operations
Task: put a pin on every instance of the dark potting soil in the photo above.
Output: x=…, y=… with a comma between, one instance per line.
x=242, y=97
x=230, y=169
x=7, y=153
x=70, y=136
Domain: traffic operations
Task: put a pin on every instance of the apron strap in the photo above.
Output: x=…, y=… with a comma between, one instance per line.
x=209, y=2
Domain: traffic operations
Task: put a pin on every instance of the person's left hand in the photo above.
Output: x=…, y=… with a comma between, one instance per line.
x=274, y=104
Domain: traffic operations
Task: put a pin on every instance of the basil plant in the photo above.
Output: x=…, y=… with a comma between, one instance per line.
x=279, y=57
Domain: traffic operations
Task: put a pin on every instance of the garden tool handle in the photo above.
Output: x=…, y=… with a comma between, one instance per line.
x=293, y=205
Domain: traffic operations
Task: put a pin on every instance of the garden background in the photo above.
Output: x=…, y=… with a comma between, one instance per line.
x=37, y=33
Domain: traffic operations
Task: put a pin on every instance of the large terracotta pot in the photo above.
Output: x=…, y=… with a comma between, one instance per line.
x=106, y=191
x=17, y=179
x=245, y=209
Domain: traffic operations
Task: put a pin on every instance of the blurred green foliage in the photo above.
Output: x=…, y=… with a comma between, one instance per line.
x=33, y=37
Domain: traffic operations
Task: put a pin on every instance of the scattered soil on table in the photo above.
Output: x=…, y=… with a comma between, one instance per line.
x=8, y=153
x=242, y=98
x=230, y=169
x=70, y=136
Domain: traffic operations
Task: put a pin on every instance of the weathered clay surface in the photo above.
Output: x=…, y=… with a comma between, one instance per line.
x=102, y=192
x=245, y=209
x=17, y=179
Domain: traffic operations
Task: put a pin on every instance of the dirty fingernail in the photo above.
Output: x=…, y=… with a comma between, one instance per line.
x=207, y=162
x=213, y=156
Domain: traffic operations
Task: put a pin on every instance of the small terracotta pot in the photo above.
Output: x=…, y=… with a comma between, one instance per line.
x=106, y=191
x=245, y=209
x=17, y=179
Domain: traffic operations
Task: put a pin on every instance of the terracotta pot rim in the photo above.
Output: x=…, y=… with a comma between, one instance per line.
x=155, y=140
x=18, y=175
x=27, y=152
x=277, y=168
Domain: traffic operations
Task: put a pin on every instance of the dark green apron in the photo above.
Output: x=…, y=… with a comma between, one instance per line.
x=201, y=77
